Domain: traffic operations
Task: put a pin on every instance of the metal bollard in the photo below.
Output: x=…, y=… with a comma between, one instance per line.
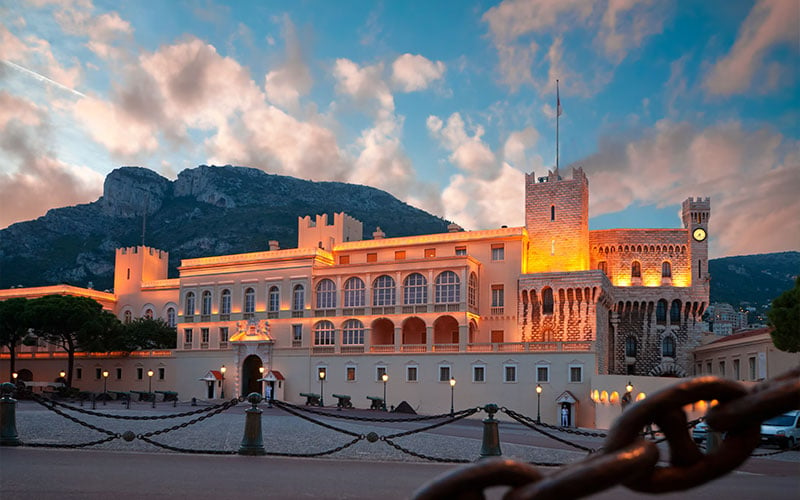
x=194, y=401
x=94, y=402
x=8, y=417
x=128, y=402
x=713, y=441
x=252, y=441
x=491, y=436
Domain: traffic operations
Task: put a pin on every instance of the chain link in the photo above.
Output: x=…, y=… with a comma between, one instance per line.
x=318, y=453
x=343, y=416
x=629, y=459
x=71, y=446
x=456, y=417
x=217, y=411
x=528, y=422
x=423, y=456
x=45, y=401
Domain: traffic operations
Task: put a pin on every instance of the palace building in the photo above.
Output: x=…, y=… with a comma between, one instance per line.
x=500, y=311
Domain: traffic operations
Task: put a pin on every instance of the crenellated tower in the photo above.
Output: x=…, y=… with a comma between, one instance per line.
x=695, y=215
x=557, y=220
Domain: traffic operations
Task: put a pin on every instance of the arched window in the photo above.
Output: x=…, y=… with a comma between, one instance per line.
x=171, y=317
x=249, y=301
x=675, y=312
x=323, y=333
x=630, y=347
x=128, y=317
x=448, y=288
x=472, y=292
x=661, y=312
x=225, y=302
x=666, y=269
x=326, y=294
x=188, y=309
x=547, y=301
x=298, y=298
x=205, y=305
x=636, y=269
x=384, y=292
x=415, y=289
x=148, y=313
x=274, y=299
x=353, y=332
x=354, y=293
x=668, y=347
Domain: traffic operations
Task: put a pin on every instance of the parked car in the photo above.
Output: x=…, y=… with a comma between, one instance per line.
x=699, y=432
x=783, y=430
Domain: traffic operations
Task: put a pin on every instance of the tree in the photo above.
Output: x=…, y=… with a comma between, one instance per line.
x=144, y=333
x=784, y=318
x=13, y=328
x=71, y=323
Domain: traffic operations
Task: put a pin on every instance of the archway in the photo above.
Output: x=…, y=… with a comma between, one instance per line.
x=414, y=331
x=445, y=330
x=382, y=332
x=473, y=332
x=25, y=375
x=250, y=375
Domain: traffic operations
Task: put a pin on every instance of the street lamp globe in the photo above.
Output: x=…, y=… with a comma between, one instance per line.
x=14, y=376
x=452, y=382
x=385, y=378
x=62, y=374
x=629, y=387
x=538, y=388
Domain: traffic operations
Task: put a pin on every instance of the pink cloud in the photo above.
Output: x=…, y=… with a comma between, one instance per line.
x=415, y=72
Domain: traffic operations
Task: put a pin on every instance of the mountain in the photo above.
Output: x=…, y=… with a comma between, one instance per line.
x=753, y=280
x=206, y=211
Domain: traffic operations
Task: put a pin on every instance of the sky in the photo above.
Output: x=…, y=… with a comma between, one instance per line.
x=444, y=104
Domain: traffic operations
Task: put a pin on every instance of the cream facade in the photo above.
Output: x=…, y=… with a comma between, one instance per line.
x=499, y=310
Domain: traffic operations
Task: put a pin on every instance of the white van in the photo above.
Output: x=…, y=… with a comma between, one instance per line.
x=783, y=430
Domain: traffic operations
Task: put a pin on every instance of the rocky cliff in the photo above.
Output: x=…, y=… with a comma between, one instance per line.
x=206, y=211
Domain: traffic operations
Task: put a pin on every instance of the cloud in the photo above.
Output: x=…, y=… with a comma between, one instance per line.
x=29, y=173
x=11, y=47
x=468, y=153
x=285, y=85
x=752, y=177
x=770, y=23
x=518, y=28
x=486, y=204
x=414, y=72
x=364, y=84
x=114, y=128
x=36, y=53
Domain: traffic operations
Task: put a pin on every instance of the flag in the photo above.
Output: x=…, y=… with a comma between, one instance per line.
x=559, y=111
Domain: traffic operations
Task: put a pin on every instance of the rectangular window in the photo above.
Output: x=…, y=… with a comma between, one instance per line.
x=400, y=255
x=509, y=373
x=344, y=259
x=161, y=373
x=461, y=250
x=372, y=257
x=139, y=373
x=736, y=369
x=78, y=373
x=498, y=297
x=576, y=374
x=497, y=336
x=411, y=373
x=223, y=334
x=430, y=253
x=119, y=373
x=479, y=373
x=708, y=368
x=379, y=371
x=752, y=367
x=444, y=373
x=602, y=266
x=187, y=335
x=498, y=252
x=297, y=333
x=204, y=335
x=98, y=373
x=721, y=368
x=350, y=372
x=543, y=374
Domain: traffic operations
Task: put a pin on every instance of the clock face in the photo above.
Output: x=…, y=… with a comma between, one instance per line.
x=699, y=234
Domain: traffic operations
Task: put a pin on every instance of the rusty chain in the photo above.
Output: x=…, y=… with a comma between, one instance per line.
x=629, y=459
x=528, y=422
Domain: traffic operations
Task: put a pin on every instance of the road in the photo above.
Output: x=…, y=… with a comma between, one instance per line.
x=27, y=473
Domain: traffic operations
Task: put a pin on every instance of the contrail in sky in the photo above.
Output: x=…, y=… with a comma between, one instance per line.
x=43, y=78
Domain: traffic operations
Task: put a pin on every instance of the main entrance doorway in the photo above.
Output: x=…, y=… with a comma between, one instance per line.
x=251, y=374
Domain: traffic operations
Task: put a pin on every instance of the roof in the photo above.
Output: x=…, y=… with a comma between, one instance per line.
x=212, y=375
x=741, y=335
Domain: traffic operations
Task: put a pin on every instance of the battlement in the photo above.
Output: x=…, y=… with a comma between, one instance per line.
x=696, y=211
x=155, y=252
x=552, y=176
x=317, y=232
x=134, y=265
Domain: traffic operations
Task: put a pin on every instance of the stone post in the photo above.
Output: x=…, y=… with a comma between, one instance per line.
x=252, y=441
x=8, y=417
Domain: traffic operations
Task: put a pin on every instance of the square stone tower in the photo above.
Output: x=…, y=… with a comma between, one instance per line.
x=557, y=220
x=695, y=214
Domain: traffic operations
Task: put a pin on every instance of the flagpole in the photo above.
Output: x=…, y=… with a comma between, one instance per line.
x=558, y=113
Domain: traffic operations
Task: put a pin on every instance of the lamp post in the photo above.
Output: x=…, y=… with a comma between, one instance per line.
x=261, y=372
x=321, y=388
x=222, y=387
x=626, y=399
x=150, y=387
x=538, y=403
x=105, y=386
x=385, y=378
x=452, y=394
x=14, y=376
x=63, y=376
